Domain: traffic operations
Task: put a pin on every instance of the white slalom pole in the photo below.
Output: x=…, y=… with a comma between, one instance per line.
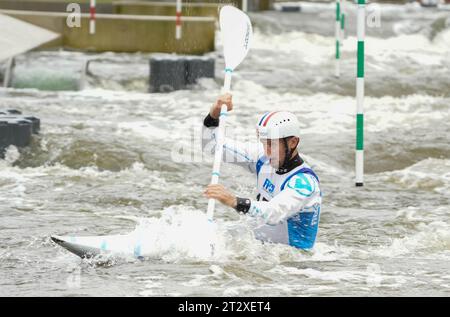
x=337, y=71
x=245, y=5
x=178, y=20
x=359, y=163
x=92, y=17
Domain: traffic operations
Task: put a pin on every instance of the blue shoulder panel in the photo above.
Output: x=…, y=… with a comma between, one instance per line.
x=301, y=171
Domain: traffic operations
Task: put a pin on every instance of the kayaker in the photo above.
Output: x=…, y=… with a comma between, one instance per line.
x=289, y=197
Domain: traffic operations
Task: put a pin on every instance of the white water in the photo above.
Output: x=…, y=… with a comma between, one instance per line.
x=103, y=165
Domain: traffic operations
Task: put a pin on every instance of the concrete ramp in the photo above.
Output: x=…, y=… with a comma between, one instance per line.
x=18, y=37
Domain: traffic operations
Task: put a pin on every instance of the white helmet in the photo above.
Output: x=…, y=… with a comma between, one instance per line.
x=277, y=125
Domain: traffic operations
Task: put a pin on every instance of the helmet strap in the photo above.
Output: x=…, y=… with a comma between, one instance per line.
x=287, y=155
x=287, y=159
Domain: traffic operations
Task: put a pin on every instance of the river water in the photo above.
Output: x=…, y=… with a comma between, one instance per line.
x=112, y=158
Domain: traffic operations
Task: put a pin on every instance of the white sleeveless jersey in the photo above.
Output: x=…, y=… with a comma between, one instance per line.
x=288, y=204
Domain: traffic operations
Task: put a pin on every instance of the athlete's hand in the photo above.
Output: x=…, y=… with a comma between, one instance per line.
x=222, y=194
x=225, y=99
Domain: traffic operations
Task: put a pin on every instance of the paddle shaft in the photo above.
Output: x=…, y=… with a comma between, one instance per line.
x=219, y=144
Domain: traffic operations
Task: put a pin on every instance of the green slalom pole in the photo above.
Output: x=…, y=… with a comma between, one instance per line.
x=342, y=27
x=337, y=72
x=359, y=163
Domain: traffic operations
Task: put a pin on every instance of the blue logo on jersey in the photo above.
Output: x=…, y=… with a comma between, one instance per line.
x=268, y=186
x=301, y=185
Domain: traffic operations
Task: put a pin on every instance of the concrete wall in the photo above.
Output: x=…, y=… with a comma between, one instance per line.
x=253, y=5
x=166, y=8
x=52, y=6
x=109, y=6
x=128, y=33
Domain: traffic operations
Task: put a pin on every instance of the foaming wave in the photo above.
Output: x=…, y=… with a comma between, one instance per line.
x=310, y=47
x=433, y=240
x=11, y=155
x=179, y=234
x=430, y=174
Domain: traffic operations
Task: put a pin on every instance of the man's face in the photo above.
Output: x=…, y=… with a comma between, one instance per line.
x=275, y=151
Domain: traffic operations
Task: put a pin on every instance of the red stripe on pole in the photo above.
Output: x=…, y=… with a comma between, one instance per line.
x=92, y=11
x=267, y=119
x=178, y=20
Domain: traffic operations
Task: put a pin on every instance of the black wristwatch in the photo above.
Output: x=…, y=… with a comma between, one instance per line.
x=243, y=204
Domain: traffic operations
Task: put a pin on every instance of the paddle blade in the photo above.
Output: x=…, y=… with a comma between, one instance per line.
x=236, y=31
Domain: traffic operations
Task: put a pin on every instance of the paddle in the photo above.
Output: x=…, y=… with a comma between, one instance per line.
x=236, y=31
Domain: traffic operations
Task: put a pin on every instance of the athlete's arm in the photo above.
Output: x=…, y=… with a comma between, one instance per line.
x=286, y=204
x=236, y=152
